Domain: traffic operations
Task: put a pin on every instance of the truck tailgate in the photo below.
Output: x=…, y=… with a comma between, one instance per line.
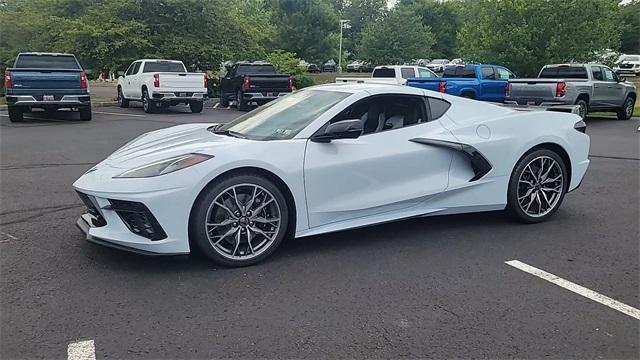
x=39, y=80
x=362, y=80
x=532, y=90
x=187, y=82
x=269, y=82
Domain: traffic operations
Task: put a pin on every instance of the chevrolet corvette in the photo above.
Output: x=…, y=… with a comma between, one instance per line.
x=325, y=159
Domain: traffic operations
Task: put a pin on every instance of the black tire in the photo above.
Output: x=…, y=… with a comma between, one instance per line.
x=468, y=95
x=148, y=105
x=196, y=106
x=241, y=102
x=626, y=111
x=198, y=229
x=15, y=114
x=224, y=101
x=584, y=108
x=516, y=187
x=122, y=102
x=85, y=113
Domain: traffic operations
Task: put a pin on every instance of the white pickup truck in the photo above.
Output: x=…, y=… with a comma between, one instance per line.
x=391, y=74
x=159, y=84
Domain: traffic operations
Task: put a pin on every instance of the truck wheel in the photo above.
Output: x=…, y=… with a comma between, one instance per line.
x=468, y=95
x=147, y=104
x=122, y=102
x=196, y=106
x=626, y=111
x=242, y=103
x=224, y=100
x=584, y=108
x=15, y=114
x=85, y=113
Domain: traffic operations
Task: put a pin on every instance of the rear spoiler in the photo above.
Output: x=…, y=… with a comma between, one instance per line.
x=571, y=109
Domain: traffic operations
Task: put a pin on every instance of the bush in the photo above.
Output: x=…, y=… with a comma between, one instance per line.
x=302, y=81
x=285, y=62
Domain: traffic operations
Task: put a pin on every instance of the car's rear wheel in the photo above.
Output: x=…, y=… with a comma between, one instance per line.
x=537, y=186
x=122, y=102
x=240, y=220
x=15, y=114
x=626, y=111
x=583, y=109
x=148, y=105
x=85, y=113
x=242, y=103
x=196, y=106
x=224, y=100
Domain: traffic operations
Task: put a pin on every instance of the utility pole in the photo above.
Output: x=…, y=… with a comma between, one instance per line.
x=343, y=23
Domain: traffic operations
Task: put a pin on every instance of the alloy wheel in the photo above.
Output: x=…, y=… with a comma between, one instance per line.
x=540, y=186
x=629, y=109
x=243, y=221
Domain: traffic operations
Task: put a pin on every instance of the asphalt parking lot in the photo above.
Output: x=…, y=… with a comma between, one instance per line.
x=425, y=288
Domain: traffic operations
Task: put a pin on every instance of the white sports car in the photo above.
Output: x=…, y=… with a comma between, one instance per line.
x=325, y=159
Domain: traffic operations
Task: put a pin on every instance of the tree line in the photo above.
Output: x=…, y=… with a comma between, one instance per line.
x=521, y=34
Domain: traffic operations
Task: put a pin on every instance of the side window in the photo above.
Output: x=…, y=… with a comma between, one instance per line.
x=596, y=71
x=425, y=73
x=130, y=68
x=136, y=68
x=608, y=74
x=504, y=74
x=383, y=113
x=407, y=73
x=438, y=107
x=487, y=73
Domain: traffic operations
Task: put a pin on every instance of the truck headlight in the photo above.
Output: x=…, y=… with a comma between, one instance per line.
x=165, y=166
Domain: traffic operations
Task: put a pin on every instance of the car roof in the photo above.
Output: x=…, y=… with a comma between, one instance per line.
x=371, y=88
x=45, y=53
x=163, y=60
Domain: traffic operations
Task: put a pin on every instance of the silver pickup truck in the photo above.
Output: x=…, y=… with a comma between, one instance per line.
x=590, y=86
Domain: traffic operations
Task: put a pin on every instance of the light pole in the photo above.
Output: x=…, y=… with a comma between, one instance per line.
x=343, y=24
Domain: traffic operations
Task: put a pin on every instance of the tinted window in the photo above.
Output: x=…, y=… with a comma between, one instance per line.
x=460, y=72
x=163, y=66
x=388, y=112
x=564, y=71
x=384, y=73
x=47, y=62
x=596, y=71
x=608, y=74
x=136, y=68
x=426, y=73
x=284, y=117
x=407, y=73
x=255, y=69
x=487, y=73
x=130, y=69
x=438, y=107
x=504, y=74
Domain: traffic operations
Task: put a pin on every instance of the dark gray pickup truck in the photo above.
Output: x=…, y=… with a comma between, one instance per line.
x=592, y=87
x=49, y=81
x=255, y=82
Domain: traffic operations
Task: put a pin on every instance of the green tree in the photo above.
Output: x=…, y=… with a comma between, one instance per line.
x=443, y=18
x=527, y=34
x=360, y=13
x=398, y=38
x=630, y=38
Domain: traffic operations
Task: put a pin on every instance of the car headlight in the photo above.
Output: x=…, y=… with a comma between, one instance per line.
x=165, y=166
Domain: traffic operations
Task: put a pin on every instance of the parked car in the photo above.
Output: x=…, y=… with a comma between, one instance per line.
x=359, y=66
x=324, y=159
x=438, y=65
x=592, y=87
x=391, y=74
x=313, y=68
x=253, y=82
x=329, y=66
x=628, y=65
x=161, y=83
x=475, y=81
x=455, y=62
x=49, y=81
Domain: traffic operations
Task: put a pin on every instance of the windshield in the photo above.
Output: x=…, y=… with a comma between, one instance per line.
x=384, y=73
x=284, y=118
x=34, y=61
x=163, y=66
x=630, y=58
x=564, y=71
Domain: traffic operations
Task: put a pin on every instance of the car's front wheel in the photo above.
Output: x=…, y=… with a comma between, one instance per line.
x=626, y=111
x=537, y=186
x=239, y=220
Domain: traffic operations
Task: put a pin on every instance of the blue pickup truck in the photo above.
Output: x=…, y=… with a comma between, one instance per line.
x=47, y=81
x=474, y=81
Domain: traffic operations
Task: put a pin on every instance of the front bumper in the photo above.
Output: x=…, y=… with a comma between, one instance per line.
x=632, y=72
x=65, y=101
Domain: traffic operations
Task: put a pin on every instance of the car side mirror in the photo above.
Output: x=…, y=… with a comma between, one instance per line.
x=622, y=79
x=345, y=129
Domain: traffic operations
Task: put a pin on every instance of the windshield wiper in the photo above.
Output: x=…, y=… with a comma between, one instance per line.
x=229, y=133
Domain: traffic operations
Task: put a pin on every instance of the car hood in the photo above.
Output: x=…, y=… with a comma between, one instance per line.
x=166, y=143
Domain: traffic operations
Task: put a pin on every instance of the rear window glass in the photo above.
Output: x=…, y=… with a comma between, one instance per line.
x=163, y=66
x=460, y=72
x=47, y=62
x=407, y=73
x=255, y=69
x=438, y=107
x=571, y=72
x=384, y=73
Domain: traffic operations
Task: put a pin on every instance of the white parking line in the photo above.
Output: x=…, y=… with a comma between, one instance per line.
x=7, y=235
x=81, y=350
x=26, y=117
x=580, y=290
x=112, y=113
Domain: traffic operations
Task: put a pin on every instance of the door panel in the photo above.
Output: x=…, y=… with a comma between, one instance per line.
x=374, y=174
x=599, y=96
x=613, y=89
